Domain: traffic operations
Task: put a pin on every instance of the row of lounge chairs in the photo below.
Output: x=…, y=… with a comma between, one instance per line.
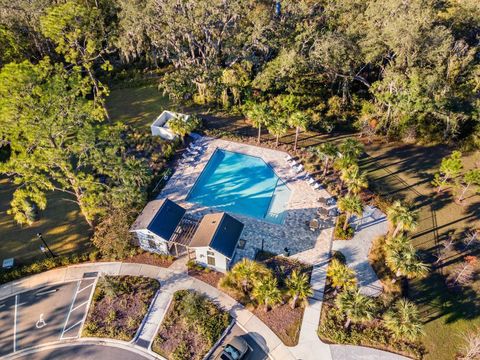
x=191, y=153
x=298, y=168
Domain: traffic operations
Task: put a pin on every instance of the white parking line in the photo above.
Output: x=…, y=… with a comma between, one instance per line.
x=15, y=325
x=71, y=327
x=70, y=310
x=79, y=306
x=86, y=287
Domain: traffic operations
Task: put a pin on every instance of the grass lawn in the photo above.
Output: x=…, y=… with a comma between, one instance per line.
x=62, y=225
x=137, y=107
x=405, y=172
x=118, y=306
x=191, y=326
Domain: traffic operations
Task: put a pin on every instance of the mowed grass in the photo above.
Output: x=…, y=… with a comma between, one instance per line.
x=62, y=226
x=137, y=107
x=405, y=172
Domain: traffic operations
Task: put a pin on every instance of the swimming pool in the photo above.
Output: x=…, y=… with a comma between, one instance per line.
x=241, y=184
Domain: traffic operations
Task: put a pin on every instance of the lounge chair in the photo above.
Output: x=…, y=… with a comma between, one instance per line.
x=193, y=152
x=310, y=180
x=187, y=157
x=195, y=147
x=316, y=186
x=288, y=157
x=322, y=212
x=298, y=168
x=293, y=163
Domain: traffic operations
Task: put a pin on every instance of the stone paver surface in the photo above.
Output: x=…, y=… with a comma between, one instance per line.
x=349, y=352
x=371, y=225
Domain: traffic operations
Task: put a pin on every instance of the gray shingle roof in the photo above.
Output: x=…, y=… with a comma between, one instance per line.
x=220, y=232
x=160, y=217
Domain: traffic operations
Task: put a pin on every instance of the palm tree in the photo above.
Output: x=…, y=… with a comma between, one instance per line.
x=277, y=127
x=298, y=120
x=402, y=218
x=355, y=306
x=351, y=205
x=266, y=291
x=403, y=320
x=341, y=276
x=246, y=272
x=404, y=261
x=328, y=152
x=354, y=179
x=259, y=114
x=298, y=287
x=351, y=148
x=182, y=127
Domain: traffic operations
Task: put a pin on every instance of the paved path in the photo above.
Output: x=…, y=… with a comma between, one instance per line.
x=371, y=225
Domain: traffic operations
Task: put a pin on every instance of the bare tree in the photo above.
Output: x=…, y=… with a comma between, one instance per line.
x=446, y=247
x=463, y=273
x=472, y=237
x=471, y=348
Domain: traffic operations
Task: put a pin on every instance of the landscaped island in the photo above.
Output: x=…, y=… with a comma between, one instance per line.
x=119, y=305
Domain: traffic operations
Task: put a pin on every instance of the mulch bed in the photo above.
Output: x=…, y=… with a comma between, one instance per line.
x=211, y=278
x=150, y=259
x=283, y=321
x=119, y=306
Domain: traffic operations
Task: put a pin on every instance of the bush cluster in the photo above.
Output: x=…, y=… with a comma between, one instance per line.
x=340, y=233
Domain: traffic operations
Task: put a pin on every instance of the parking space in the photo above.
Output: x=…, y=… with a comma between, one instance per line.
x=255, y=353
x=43, y=315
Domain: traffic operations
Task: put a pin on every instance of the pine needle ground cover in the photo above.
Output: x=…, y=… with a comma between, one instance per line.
x=192, y=325
x=118, y=306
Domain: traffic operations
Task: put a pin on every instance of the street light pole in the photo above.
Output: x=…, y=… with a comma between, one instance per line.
x=39, y=235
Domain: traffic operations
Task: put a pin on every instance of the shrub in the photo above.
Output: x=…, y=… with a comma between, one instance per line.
x=340, y=233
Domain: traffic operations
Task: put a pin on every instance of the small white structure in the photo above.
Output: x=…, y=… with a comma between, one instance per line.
x=160, y=126
x=215, y=240
x=156, y=224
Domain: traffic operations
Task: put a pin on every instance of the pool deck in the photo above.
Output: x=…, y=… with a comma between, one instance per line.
x=294, y=234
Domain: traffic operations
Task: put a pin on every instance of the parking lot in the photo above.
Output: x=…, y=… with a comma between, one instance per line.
x=256, y=352
x=43, y=315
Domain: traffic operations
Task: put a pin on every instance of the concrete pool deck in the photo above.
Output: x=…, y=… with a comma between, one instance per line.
x=294, y=234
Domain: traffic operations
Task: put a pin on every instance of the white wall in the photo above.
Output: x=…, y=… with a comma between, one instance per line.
x=145, y=236
x=221, y=261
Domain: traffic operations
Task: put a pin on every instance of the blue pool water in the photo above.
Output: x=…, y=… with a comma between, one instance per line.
x=241, y=184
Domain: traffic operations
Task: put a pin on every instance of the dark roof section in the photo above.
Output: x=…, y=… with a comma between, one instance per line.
x=160, y=217
x=166, y=220
x=218, y=231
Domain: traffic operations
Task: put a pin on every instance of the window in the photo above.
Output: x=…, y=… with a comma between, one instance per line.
x=152, y=244
x=210, y=258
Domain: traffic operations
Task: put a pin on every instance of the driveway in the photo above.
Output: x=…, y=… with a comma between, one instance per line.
x=44, y=315
x=255, y=354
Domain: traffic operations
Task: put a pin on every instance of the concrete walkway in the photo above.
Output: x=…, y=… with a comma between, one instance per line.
x=370, y=226
x=170, y=281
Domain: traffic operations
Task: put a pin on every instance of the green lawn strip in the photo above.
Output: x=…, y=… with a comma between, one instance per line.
x=137, y=107
x=192, y=325
x=61, y=223
x=118, y=306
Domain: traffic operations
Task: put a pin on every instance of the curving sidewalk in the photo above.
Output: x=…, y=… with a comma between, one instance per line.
x=310, y=347
x=171, y=281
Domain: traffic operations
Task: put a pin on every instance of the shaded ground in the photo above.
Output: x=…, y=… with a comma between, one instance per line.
x=61, y=223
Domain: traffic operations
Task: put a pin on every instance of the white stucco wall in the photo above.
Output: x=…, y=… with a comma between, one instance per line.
x=160, y=128
x=221, y=261
x=144, y=237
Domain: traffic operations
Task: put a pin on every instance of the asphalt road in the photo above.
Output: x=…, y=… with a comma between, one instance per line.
x=43, y=315
x=84, y=352
x=256, y=354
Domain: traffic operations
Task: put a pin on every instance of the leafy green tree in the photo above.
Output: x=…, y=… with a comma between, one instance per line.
x=355, y=180
x=450, y=168
x=402, y=218
x=351, y=205
x=300, y=121
x=183, y=127
x=299, y=287
x=81, y=36
x=341, y=276
x=246, y=272
x=266, y=292
x=403, y=320
x=328, y=152
x=277, y=127
x=58, y=142
x=259, y=114
x=357, y=308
